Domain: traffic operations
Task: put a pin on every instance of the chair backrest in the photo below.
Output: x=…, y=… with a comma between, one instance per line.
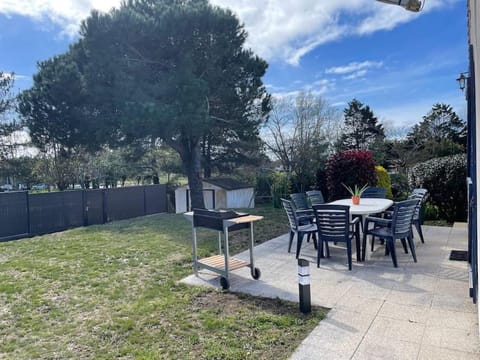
x=300, y=201
x=375, y=192
x=403, y=212
x=420, y=198
x=315, y=197
x=332, y=221
x=420, y=194
x=292, y=218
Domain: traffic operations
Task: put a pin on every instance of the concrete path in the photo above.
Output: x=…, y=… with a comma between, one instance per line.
x=416, y=311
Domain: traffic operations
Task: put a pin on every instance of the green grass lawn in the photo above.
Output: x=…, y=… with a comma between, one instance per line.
x=112, y=291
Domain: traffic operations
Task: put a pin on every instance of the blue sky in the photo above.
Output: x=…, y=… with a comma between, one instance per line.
x=399, y=63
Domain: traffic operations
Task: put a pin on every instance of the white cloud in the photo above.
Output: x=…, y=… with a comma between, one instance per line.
x=283, y=30
x=285, y=94
x=65, y=13
x=354, y=70
x=354, y=67
x=289, y=29
x=356, y=75
x=320, y=87
x=317, y=88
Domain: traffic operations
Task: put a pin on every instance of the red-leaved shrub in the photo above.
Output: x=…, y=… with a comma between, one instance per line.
x=351, y=167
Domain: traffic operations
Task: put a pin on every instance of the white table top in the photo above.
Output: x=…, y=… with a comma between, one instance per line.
x=367, y=206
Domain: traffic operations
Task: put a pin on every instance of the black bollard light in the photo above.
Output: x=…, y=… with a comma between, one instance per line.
x=304, y=286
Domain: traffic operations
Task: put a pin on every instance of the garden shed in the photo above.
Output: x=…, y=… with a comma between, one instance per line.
x=218, y=193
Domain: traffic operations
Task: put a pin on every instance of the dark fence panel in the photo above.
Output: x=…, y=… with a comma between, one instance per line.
x=23, y=214
x=155, y=199
x=73, y=207
x=124, y=203
x=13, y=214
x=94, y=207
x=50, y=212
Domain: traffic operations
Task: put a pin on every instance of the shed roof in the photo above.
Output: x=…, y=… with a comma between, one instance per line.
x=227, y=183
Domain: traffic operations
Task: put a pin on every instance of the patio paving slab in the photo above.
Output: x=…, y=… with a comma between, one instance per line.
x=416, y=311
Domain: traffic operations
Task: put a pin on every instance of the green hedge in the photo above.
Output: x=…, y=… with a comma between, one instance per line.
x=445, y=179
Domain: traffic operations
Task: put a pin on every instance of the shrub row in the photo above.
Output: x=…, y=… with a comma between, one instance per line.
x=445, y=179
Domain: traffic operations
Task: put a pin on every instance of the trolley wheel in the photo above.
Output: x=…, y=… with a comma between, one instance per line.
x=256, y=273
x=224, y=283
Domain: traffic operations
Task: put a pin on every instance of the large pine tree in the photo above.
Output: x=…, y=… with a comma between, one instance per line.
x=175, y=71
x=440, y=133
x=362, y=131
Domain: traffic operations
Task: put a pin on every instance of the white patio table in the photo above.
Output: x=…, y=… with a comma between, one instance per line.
x=366, y=207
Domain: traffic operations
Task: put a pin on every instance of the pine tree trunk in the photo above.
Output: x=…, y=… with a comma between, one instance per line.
x=206, y=152
x=192, y=161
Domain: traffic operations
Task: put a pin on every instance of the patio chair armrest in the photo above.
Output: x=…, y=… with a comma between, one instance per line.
x=306, y=212
x=387, y=214
x=305, y=217
x=377, y=221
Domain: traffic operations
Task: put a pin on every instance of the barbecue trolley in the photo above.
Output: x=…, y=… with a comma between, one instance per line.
x=224, y=221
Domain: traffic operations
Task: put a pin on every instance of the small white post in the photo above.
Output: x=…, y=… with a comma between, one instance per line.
x=304, y=286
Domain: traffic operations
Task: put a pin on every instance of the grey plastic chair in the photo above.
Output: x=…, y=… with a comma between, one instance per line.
x=421, y=196
x=298, y=228
x=300, y=201
x=302, y=209
x=315, y=197
x=398, y=227
x=333, y=223
x=375, y=192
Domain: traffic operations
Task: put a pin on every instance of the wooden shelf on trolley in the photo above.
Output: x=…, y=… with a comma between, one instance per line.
x=218, y=261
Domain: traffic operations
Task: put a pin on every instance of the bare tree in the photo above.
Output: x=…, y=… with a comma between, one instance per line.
x=300, y=133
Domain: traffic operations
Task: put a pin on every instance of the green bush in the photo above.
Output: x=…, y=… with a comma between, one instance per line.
x=383, y=180
x=400, y=188
x=445, y=180
x=263, y=184
x=272, y=185
x=430, y=212
x=281, y=186
x=351, y=167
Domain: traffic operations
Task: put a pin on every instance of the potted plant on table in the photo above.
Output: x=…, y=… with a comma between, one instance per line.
x=356, y=192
